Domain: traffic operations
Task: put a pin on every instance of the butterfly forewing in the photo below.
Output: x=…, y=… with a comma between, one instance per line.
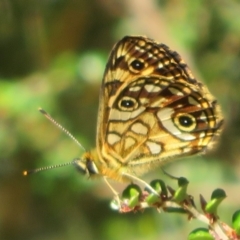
x=152, y=109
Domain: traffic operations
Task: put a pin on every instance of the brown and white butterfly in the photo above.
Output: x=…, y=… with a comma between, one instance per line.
x=152, y=110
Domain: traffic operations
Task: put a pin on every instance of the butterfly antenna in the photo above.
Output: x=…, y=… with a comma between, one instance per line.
x=41, y=169
x=61, y=127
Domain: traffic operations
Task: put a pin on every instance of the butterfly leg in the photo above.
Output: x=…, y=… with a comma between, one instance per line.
x=116, y=195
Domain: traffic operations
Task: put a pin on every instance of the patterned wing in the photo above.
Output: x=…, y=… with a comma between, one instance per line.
x=151, y=108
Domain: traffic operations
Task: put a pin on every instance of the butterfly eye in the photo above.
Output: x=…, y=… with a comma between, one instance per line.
x=185, y=122
x=136, y=65
x=127, y=104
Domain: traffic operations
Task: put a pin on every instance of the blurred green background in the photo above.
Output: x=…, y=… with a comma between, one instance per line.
x=52, y=55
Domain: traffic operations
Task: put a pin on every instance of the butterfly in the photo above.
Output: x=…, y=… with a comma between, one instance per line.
x=151, y=111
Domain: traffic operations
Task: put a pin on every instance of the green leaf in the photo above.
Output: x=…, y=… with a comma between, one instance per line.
x=181, y=193
x=152, y=198
x=182, y=182
x=217, y=197
x=132, y=193
x=236, y=221
x=200, y=234
x=218, y=193
x=159, y=186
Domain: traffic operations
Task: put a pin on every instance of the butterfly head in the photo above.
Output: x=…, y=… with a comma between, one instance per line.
x=86, y=165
